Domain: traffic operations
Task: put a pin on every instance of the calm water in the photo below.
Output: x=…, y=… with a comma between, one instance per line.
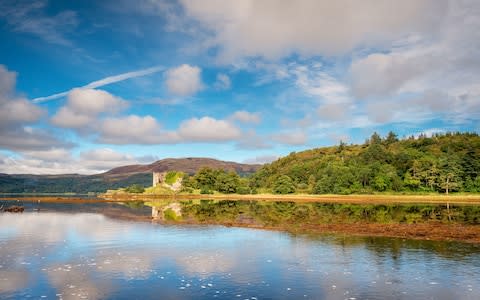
x=85, y=252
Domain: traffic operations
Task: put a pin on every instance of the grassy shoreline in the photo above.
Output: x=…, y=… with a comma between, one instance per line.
x=463, y=199
x=360, y=199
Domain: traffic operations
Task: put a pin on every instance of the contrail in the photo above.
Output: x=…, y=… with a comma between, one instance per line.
x=104, y=81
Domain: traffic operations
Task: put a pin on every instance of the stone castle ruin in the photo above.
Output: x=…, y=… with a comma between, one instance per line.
x=158, y=178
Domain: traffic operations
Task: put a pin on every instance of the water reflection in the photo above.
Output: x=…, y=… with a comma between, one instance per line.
x=67, y=255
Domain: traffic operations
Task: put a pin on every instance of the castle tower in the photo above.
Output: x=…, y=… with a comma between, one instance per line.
x=156, y=178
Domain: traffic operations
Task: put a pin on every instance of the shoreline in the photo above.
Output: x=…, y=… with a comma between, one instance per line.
x=473, y=199
x=353, y=199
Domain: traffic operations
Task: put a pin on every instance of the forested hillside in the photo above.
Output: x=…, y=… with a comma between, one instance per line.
x=69, y=183
x=441, y=163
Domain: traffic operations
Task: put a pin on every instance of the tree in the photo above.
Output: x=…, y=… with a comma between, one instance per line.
x=449, y=174
x=227, y=183
x=206, y=178
x=135, y=188
x=432, y=176
x=375, y=139
x=381, y=183
x=323, y=186
x=284, y=185
x=410, y=181
x=391, y=138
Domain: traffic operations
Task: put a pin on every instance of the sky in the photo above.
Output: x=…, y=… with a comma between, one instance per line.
x=86, y=86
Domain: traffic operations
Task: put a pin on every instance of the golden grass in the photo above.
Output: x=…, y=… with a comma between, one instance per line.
x=354, y=199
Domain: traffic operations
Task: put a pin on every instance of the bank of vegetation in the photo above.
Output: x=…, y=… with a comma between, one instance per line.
x=442, y=163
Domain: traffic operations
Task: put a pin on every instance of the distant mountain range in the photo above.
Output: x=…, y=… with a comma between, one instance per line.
x=115, y=178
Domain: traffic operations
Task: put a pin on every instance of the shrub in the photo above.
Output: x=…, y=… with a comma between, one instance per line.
x=135, y=189
x=187, y=189
x=243, y=190
x=206, y=191
x=284, y=185
x=172, y=177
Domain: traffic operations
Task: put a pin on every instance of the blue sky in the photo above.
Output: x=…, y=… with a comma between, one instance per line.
x=86, y=86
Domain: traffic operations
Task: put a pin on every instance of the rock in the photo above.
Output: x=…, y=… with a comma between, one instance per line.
x=14, y=209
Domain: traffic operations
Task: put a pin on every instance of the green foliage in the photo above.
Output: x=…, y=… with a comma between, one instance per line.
x=441, y=163
x=227, y=182
x=172, y=177
x=243, y=190
x=209, y=180
x=284, y=185
x=205, y=191
x=205, y=178
x=135, y=188
x=170, y=215
x=187, y=189
x=80, y=184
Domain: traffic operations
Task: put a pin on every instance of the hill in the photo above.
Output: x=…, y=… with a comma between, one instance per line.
x=441, y=163
x=113, y=179
x=189, y=165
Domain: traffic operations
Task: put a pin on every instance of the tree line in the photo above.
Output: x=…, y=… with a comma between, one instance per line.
x=441, y=163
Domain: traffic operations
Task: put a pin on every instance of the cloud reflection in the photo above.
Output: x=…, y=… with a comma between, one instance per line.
x=92, y=256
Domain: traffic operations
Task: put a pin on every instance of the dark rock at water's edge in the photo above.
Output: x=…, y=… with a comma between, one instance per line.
x=14, y=209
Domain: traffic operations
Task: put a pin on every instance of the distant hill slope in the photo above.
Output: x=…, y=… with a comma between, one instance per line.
x=113, y=179
x=188, y=165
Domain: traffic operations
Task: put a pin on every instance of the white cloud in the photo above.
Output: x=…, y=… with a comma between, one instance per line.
x=223, y=82
x=61, y=161
x=104, y=159
x=246, y=117
x=92, y=102
x=67, y=118
x=313, y=80
x=103, y=82
x=7, y=82
x=184, y=80
x=29, y=17
x=295, y=138
x=15, y=114
x=274, y=29
x=27, y=139
x=386, y=74
x=14, y=110
x=262, y=159
x=146, y=130
x=84, y=106
x=49, y=154
x=131, y=129
x=333, y=112
x=431, y=77
x=252, y=141
x=208, y=129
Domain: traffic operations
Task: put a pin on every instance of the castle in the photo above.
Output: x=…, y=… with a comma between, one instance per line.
x=158, y=177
